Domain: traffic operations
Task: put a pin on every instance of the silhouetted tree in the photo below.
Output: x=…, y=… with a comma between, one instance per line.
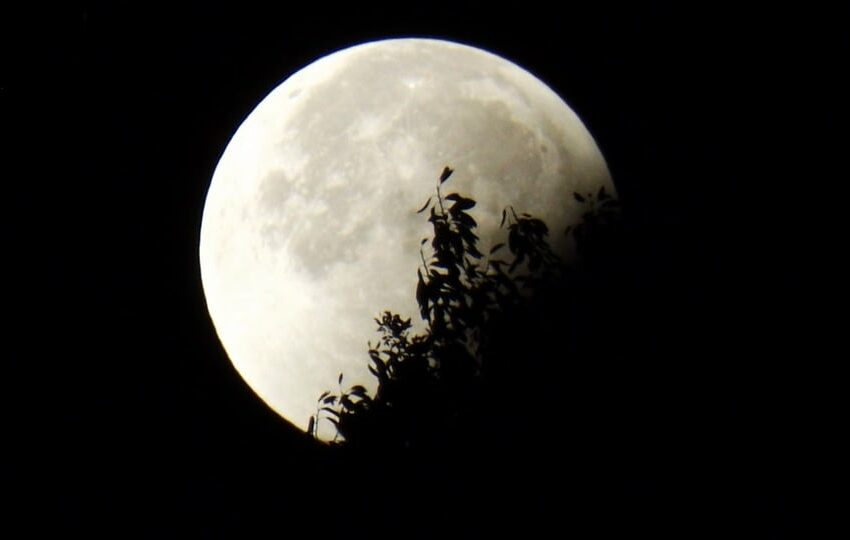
x=437, y=385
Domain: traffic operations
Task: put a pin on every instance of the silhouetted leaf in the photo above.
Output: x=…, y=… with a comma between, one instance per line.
x=461, y=203
x=513, y=240
x=329, y=410
x=324, y=395
x=445, y=174
x=311, y=424
x=340, y=379
x=422, y=295
x=422, y=242
x=538, y=226
x=329, y=400
x=425, y=206
x=578, y=197
x=497, y=247
x=504, y=216
x=473, y=250
x=439, y=263
x=467, y=220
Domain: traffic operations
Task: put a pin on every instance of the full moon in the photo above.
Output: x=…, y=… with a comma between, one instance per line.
x=310, y=230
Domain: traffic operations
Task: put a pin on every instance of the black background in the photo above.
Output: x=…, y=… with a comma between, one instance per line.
x=124, y=414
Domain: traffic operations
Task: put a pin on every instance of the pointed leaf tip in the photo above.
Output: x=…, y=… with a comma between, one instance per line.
x=425, y=206
x=578, y=197
x=447, y=171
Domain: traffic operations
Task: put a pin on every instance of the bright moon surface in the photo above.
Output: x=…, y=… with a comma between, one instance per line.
x=310, y=229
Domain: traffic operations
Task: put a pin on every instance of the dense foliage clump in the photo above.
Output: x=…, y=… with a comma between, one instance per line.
x=434, y=386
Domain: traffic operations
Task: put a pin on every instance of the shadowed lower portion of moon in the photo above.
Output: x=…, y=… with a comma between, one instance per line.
x=309, y=228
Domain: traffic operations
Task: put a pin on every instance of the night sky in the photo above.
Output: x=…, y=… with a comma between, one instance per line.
x=125, y=416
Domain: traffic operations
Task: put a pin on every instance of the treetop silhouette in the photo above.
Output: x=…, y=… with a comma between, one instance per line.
x=435, y=385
